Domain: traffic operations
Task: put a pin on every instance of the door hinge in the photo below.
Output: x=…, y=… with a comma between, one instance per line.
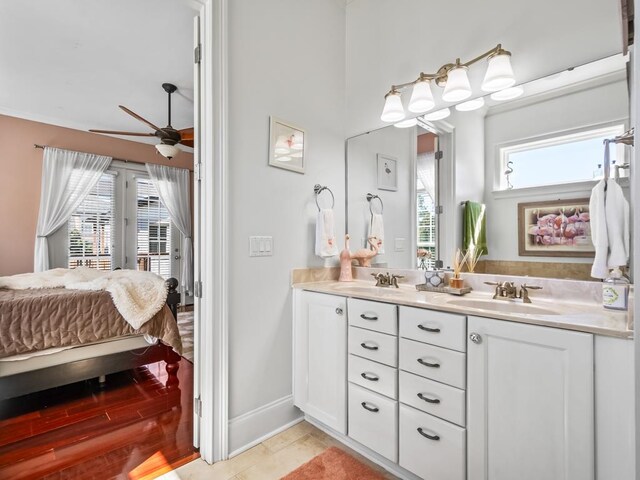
x=438, y=155
x=126, y=222
x=197, y=53
x=126, y=260
x=197, y=406
x=197, y=289
x=197, y=170
x=126, y=184
x=438, y=210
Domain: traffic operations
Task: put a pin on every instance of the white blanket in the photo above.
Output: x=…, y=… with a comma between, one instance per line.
x=138, y=296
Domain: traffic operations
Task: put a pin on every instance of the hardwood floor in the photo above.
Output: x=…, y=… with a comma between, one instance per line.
x=133, y=428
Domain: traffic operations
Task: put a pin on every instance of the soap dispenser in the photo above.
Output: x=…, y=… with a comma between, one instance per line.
x=615, y=291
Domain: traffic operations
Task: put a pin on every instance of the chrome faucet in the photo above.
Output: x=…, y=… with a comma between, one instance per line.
x=509, y=290
x=386, y=280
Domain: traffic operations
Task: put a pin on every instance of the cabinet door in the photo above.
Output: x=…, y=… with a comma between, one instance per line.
x=320, y=357
x=530, y=402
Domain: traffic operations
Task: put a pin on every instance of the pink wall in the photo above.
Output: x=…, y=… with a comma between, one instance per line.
x=20, y=176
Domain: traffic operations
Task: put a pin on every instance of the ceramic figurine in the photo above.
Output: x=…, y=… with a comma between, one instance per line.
x=345, y=262
x=364, y=255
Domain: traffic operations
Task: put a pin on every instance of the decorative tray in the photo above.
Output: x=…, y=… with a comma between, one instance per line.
x=453, y=291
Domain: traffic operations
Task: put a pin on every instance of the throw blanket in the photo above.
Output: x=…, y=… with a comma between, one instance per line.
x=138, y=296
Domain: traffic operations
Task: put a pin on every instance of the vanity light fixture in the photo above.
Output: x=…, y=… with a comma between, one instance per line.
x=470, y=105
x=437, y=115
x=411, y=122
x=507, y=94
x=453, y=77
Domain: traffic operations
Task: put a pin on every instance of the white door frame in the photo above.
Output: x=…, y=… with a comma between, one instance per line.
x=211, y=310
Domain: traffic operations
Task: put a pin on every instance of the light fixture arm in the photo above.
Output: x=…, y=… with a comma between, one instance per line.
x=440, y=77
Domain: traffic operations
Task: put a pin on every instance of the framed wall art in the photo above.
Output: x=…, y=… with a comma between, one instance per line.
x=287, y=145
x=387, y=173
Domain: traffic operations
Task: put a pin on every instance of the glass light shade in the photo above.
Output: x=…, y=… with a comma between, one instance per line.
x=437, y=115
x=457, y=87
x=406, y=123
x=421, y=97
x=469, y=105
x=168, y=151
x=507, y=94
x=393, y=110
x=499, y=73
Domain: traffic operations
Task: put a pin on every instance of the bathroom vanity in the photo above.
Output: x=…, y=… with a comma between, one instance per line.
x=439, y=387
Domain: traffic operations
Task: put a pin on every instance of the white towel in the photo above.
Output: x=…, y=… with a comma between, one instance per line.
x=609, y=219
x=376, y=229
x=325, y=238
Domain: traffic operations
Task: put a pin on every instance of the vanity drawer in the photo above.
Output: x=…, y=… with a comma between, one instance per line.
x=381, y=317
x=376, y=346
x=373, y=421
x=432, y=397
x=373, y=376
x=440, y=364
x=440, y=457
x=443, y=329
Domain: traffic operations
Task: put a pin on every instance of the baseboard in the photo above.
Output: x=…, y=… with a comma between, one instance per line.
x=389, y=466
x=254, y=427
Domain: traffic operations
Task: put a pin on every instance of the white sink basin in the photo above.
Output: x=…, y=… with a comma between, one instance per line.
x=503, y=306
x=360, y=289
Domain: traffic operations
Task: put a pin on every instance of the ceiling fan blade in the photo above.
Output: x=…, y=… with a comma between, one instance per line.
x=138, y=117
x=114, y=132
x=186, y=136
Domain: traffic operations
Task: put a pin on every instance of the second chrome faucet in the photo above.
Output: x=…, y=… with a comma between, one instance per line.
x=386, y=280
x=510, y=290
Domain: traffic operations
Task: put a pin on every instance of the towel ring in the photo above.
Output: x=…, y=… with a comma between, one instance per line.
x=318, y=189
x=370, y=198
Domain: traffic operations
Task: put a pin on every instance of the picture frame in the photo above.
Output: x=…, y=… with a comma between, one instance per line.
x=555, y=228
x=287, y=145
x=387, y=172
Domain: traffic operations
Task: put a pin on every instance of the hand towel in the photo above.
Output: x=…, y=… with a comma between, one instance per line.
x=474, y=227
x=376, y=229
x=325, y=238
x=609, y=220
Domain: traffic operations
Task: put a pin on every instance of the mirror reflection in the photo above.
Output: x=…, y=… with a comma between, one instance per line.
x=485, y=172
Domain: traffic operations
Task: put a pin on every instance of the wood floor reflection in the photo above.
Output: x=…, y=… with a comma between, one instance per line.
x=134, y=427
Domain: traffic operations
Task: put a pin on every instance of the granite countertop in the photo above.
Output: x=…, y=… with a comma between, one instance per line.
x=568, y=315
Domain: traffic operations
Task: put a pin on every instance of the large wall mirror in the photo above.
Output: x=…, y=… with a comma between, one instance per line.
x=527, y=152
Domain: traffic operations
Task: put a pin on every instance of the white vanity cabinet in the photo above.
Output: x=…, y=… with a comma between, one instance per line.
x=530, y=397
x=320, y=357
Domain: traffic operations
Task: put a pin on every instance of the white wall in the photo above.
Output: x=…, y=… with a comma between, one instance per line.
x=392, y=41
x=287, y=59
x=400, y=143
x=604, y=103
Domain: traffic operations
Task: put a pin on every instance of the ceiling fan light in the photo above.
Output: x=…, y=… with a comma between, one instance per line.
x=421, y=97
x=457, y=87
x=393, y=110
x=507, y=93
x=168, y=151
x=499, y=73
x=470, y=105
x=437, y=115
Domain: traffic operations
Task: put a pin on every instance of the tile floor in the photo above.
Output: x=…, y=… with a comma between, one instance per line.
x=271, y=459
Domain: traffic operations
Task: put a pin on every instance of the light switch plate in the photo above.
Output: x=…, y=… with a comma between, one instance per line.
x=261, y=246
x=401, y=244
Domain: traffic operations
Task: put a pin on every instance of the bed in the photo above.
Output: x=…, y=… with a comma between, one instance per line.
x=55, y=336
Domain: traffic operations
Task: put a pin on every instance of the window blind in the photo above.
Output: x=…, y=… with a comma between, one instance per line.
x=153, y=232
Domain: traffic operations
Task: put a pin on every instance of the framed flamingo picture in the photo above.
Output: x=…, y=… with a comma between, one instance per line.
x=558, y=228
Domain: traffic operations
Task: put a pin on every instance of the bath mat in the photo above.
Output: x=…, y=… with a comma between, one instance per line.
x=333, y=464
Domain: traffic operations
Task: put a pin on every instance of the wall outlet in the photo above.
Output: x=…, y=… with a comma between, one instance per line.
x=260, y=246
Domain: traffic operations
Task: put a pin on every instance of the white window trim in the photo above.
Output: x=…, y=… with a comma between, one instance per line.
x=502, y=151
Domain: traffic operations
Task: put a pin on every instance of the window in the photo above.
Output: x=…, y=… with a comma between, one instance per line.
x=566, y=158
x=153, y=232
x=91, y=227
x=426, y=229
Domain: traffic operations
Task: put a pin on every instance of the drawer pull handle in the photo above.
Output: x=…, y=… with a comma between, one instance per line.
x=368, y=376
x=429, y=329
x=369, y=347
x=364, y=316
x=427, y=399
x=371, y=409
x=427, y=364
x=426, y=435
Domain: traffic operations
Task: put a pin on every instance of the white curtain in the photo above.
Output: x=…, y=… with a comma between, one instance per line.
x=67, y=179
x=172, y=185
x=426, y=173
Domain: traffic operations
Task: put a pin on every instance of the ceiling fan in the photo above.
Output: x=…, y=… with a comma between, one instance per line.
x=168, y=135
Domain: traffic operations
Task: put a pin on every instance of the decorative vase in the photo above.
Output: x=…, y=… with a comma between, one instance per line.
x=345, y=262
x=434, y=278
